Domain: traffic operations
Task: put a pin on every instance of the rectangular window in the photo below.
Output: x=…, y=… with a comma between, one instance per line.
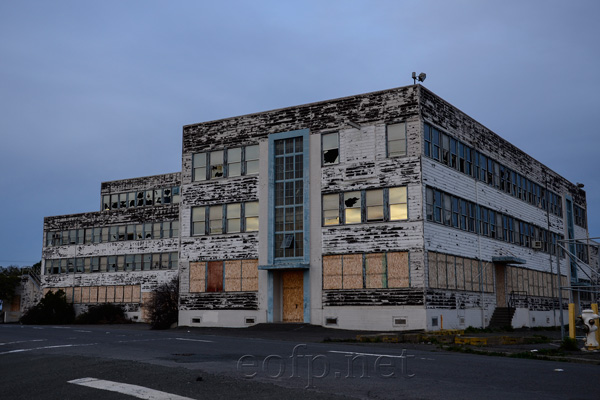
x=122, y=200
x=453, y=154
x=199, y=167
x=216, y=164
x=374, y=200
x=251, y=216
x=252, y=154
x=199, y=220
x=435, y=136
x=176, y=197
x=437, y=206
x=331, y=209
x=331, y=148
x=455, y=212
x=234, y=218
x=106, y=202
x=158, y=196
x=398, y=203
x=234, y=162
x=157, y=230
x=429, y=203
x=214, y=281
x=447, y=209
x=445, y=149
x=396, y=140
x=215, y=216
x=352, y=208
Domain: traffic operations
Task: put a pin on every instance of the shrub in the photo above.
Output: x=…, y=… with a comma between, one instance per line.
x=103, y=314
x=164, y=305
x=52, y=309
x=569, y=344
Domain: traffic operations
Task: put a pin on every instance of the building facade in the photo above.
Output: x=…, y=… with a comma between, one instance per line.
x=391, y=210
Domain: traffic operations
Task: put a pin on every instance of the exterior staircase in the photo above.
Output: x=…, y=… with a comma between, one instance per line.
x=502, y=317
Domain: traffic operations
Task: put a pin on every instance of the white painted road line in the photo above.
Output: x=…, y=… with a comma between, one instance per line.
x=369, y=354
x=140, y=392
x=47, y=347
x=23, y=341
x=194, y=340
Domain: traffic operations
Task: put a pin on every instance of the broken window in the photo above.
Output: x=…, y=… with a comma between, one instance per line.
x=156, y=261
x=140, y=199
x=234, y=162
x=149, y=198
x=251, y=216
x=139, y=232
x=396, y=140
x=199, y=167
x=175, y=192
x=131, y=232
x=216, y=164
x=374, y=199
x=445, y=149
x=131, y=199
x=331, y=148
x=352, y=208
x=215, y=218
x=114, y=201
x=122, y=233
x=106, y=202
x=199, y=220
x=167, y=196
x=234, y=218
x=158, y=196
x=331, y=209
x=112, y=264
x=122, y=200
x=252, y=154
x=129, y=262
x=453, y=153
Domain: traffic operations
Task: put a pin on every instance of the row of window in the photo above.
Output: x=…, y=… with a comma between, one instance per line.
x=117, y=233
x=395, y=141
x=100, y=294
x=231, y=162
x=225, y=218
x=447, y=271
x=580, y=217
x=375, y=205
x=450, y=210
x=117, y=263
x=142, y=198
x=366, y=271
x=457, y=155
x=224, y=276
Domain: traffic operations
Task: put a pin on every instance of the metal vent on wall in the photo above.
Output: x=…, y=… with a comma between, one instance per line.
x=196, y=320
x=250, y=320
x=400, y=321
x=331, y=321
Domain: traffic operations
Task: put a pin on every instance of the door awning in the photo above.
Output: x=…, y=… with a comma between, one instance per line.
x=508, y=260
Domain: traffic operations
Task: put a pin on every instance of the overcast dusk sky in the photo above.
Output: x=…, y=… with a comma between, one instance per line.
x=94, y=91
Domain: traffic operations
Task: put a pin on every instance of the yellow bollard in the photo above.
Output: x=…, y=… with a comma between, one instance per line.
x=572, y=320
x=595, y=310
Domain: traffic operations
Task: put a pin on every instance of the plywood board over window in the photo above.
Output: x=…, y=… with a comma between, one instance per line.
x=197, y=276
x=110, y=294
x=468, y=274
x=432, y=269
x=460, y=273
x=451, y=272
x=375, y=271
x=85, y=294
x=250, y=275
x=94, y=294
x=214, y=282
x=332, y=272
x=398, y=270
x=136, y=294
x=101, y=294
x=118, y=294
x=352, y=265
x=127, y=290
x=233, y=276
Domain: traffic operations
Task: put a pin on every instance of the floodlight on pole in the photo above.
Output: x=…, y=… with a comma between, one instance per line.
x=421, y=77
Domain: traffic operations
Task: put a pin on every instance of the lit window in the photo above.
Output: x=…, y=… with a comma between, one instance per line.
x=352, y=205
x=251, y=216
x=331, y=151
x=398, y=203
x=375, y=205
x=396, y=140
x=331, y=209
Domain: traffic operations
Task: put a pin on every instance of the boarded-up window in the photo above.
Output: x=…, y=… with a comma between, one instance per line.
x=94, y=294
x=332, y=272
x=397, y=269
x=460, y=273
x=353, y=271
x=476, y=275
x=451, y=272
x=214, y=276
x=433, y=275
x=110, y=294
x=233, y=276
x=127, y=293
x=197, y=276
x=375, y=271
x=489, y=278
x=85, y=294
x=101, y=294
x=468, y=274
x=250, y=275
x=442, y=271
x=118, y=294
x=136, y=294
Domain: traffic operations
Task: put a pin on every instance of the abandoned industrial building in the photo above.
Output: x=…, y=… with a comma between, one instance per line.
x=390, y=210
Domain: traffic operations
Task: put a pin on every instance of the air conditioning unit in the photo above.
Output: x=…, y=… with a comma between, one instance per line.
x=536, y=244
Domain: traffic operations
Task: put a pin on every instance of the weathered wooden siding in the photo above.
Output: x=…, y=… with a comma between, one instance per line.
x=142, y=183
x=373, y=297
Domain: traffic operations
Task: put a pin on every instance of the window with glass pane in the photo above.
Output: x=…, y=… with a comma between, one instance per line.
x=331, y=209
x=131, y=199
x=234, y=215
x=157, y=230
x=176, y=196
x=352, y=205
x=215, y=218
x=396, y=139
x=106, y=202
x=148, y=231
x=158, y=196
x=199, y=167
x=252, y=159
x=122, y=232
x=175, y=229
x=123, y=200
x=398, y=203
x=375, y=205
x=234, y=162
x=251, y=216
x=216, y=164
x=198, y=220
x=289, y=197
x=331, y=148
x=139, y=232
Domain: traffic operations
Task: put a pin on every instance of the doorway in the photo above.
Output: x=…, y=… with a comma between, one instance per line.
x=292, y=283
